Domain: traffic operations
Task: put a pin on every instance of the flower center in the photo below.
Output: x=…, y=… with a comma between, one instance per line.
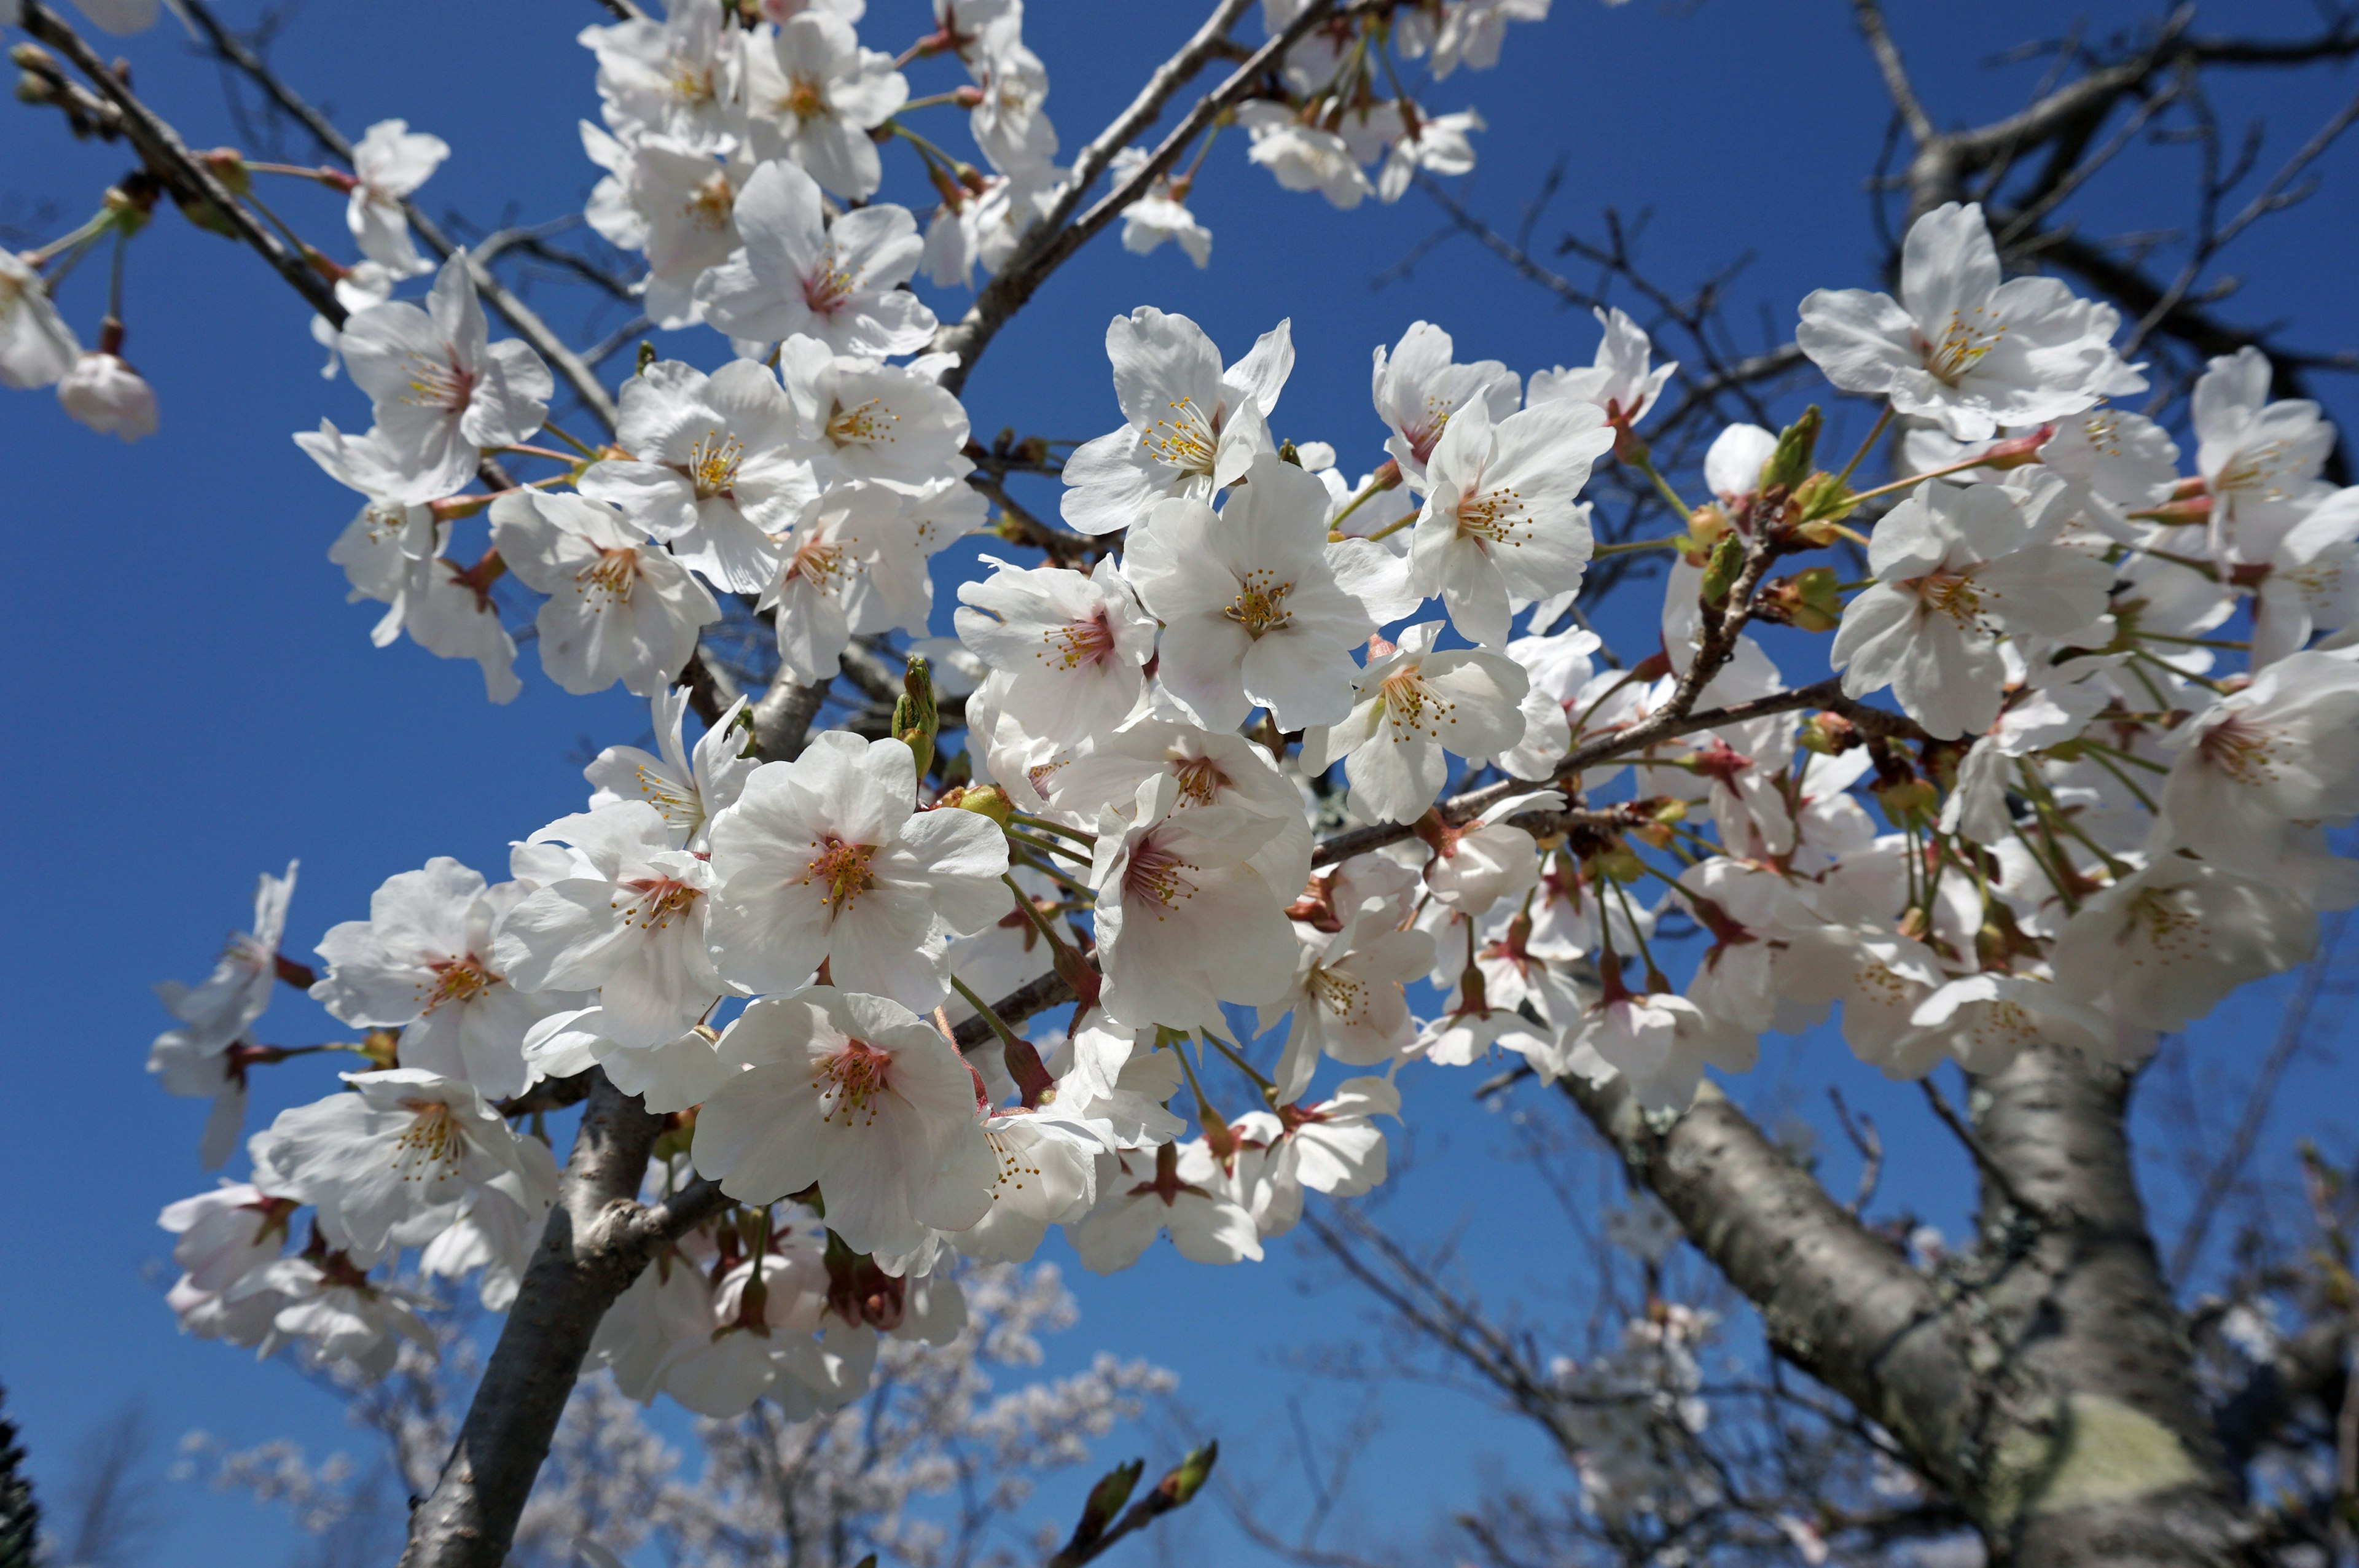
x=678, y=803
x=852, y=1078
x=842, y=871
x=826, y=289
x=1260, y=604
x=1414, y=707
x=609, y=579
x=1953, y=594
x=658, y=901
x=430, y=1147
x=1157, y=874
x=820, y=564
x=1342, y=994
x=709, y=208
x=2175, y=931
x=2254, y=469
x=443, y=385
x=1424, y=437
x=1079, y=642
x=689, y=82
x=2245, y=751
x=871, y=422
x=1200, y=781
x=1015, y=1165
x=805, y=99
x=712, y=463
x=461, y=980
x=1187, y=439
x=1496, y=517
x=1970, y=335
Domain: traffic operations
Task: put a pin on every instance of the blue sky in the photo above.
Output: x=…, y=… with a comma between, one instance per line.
x=189, y=700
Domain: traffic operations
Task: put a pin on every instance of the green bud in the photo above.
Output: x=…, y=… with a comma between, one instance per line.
x=1288, y=454
x=1791, y=462
x=647, y=356
x=916, y=720
x=1823, y=498
x=1105, y=1500
x=984, y=801
x=1184, y=1482
x=1720, y=576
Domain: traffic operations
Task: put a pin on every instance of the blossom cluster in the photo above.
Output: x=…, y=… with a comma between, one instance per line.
x=2076, y=823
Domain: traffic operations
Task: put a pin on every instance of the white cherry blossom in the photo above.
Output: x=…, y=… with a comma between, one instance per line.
x=1211, y=769
x=389, y=163
x=619, y=607
x=1622, y=383
x=37, y=347
x=1413, y=705
x=1416, y=388
x=1500, y=519
x=1252, y=614
x=2285, y=749
x=814, y=94
x=1960, y=346
x=1348, y=998
x=689, y=788
x=1303, y=156
x=873, y=421
x=850, y=537
x=217, y=1010
x=679, y=77
x=798, y=274
x=2159, y=948
x=615, y=908
x=1067, y=647
x=1178, y=1190
x=108, y=396
x=859, y=1094
x=826, y=858
x=2259, y=461
x=1192, y=429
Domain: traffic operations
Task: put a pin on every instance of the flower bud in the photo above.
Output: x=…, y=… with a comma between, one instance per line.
x=983, y=801
x=1727, y=565
x=1707, y=526
x=1791, y=463
x=916, y=720
x=1823, y=497
x=1184, y=1482
x=2019, y=451
x=229, y=168
x=1807, y=600
x=1829, y=734
x=108, y=396
x=1105, y=1500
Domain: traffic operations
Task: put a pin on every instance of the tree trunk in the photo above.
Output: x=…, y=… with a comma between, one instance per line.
x=2093, y=1445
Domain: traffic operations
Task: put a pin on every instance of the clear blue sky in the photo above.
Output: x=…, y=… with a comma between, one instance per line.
x=189, y=700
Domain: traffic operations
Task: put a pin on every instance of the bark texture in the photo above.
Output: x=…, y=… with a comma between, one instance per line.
x=2046, y=1383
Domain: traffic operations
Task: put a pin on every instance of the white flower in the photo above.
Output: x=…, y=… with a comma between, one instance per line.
x=108, y=396
x=1416, y=389
x=1184, y=920
x=1337, y=1147
x=188, y=1073
x=850, y=537
x=2285, y=749
x=1620, y=382
x=37, y=347
x=619, y=608
x=1303, y=156
x=1472, y=32
x=1252, y=614
x=874, y=421
x=225, y=1234
x=859, y=1094
x=386, y=1166
x=686, y=202
x=981, y=226
x=1987, y=1021
x=1977, y=805
x=1211, y=769
x=1070, y=647
x=677, y=78
x=2259, y=459
x=720, y=464
x=815, y=94
x=1179, y=1189
x=670, y=1077
x=1500, y=519
x=621, y=911
x=1881, y=978
x=2160, y=948
x=1412, y=705
x=1193, y=427
x=1435, y=142
x=337, y=1311
x=421, y=962
x=1661, y=1044
x=221, y=1006
x=389, y=163
x=1008, y=123
x=1045, y=1173
x=1955, y=567
x=1489, y=860
x=826, y=858
x=494, y=1233
x=1102, y=1075
x=442, y=391
x=689, y=788
x=1960, y=346
x=796, y=274
x=2314, y=581
x=1159, y=213
x=1349, y=997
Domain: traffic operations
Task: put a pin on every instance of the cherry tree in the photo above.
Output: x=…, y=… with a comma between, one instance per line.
x=1281, y=777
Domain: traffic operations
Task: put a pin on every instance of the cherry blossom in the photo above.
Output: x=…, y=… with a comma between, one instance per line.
x=1301, y=157
x=37, y=347
x=1210, y=768
x=826, y=858
x=1416, y=388
x=873, y=421
x=2159, y=948
x=1348, y=999
x=420, y=963
x=680, y=78
x=442, y=391
x=797, y=275
x=1499, y=517
x=1252, y=614
x=389, y=163
x=849, y=536
x=814, y=95
x=689, y=788
x=859, y=1094
x=1412, y=705
x=108, y=396
x=1067, y=648
x=2284, y=749
x=219, y=1008
x=1178, y=1190
x=1193, y=427
x=1960, y=346
x=619, y=607
x=1622, y=385
x=1159, y=213
x=613, y=907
